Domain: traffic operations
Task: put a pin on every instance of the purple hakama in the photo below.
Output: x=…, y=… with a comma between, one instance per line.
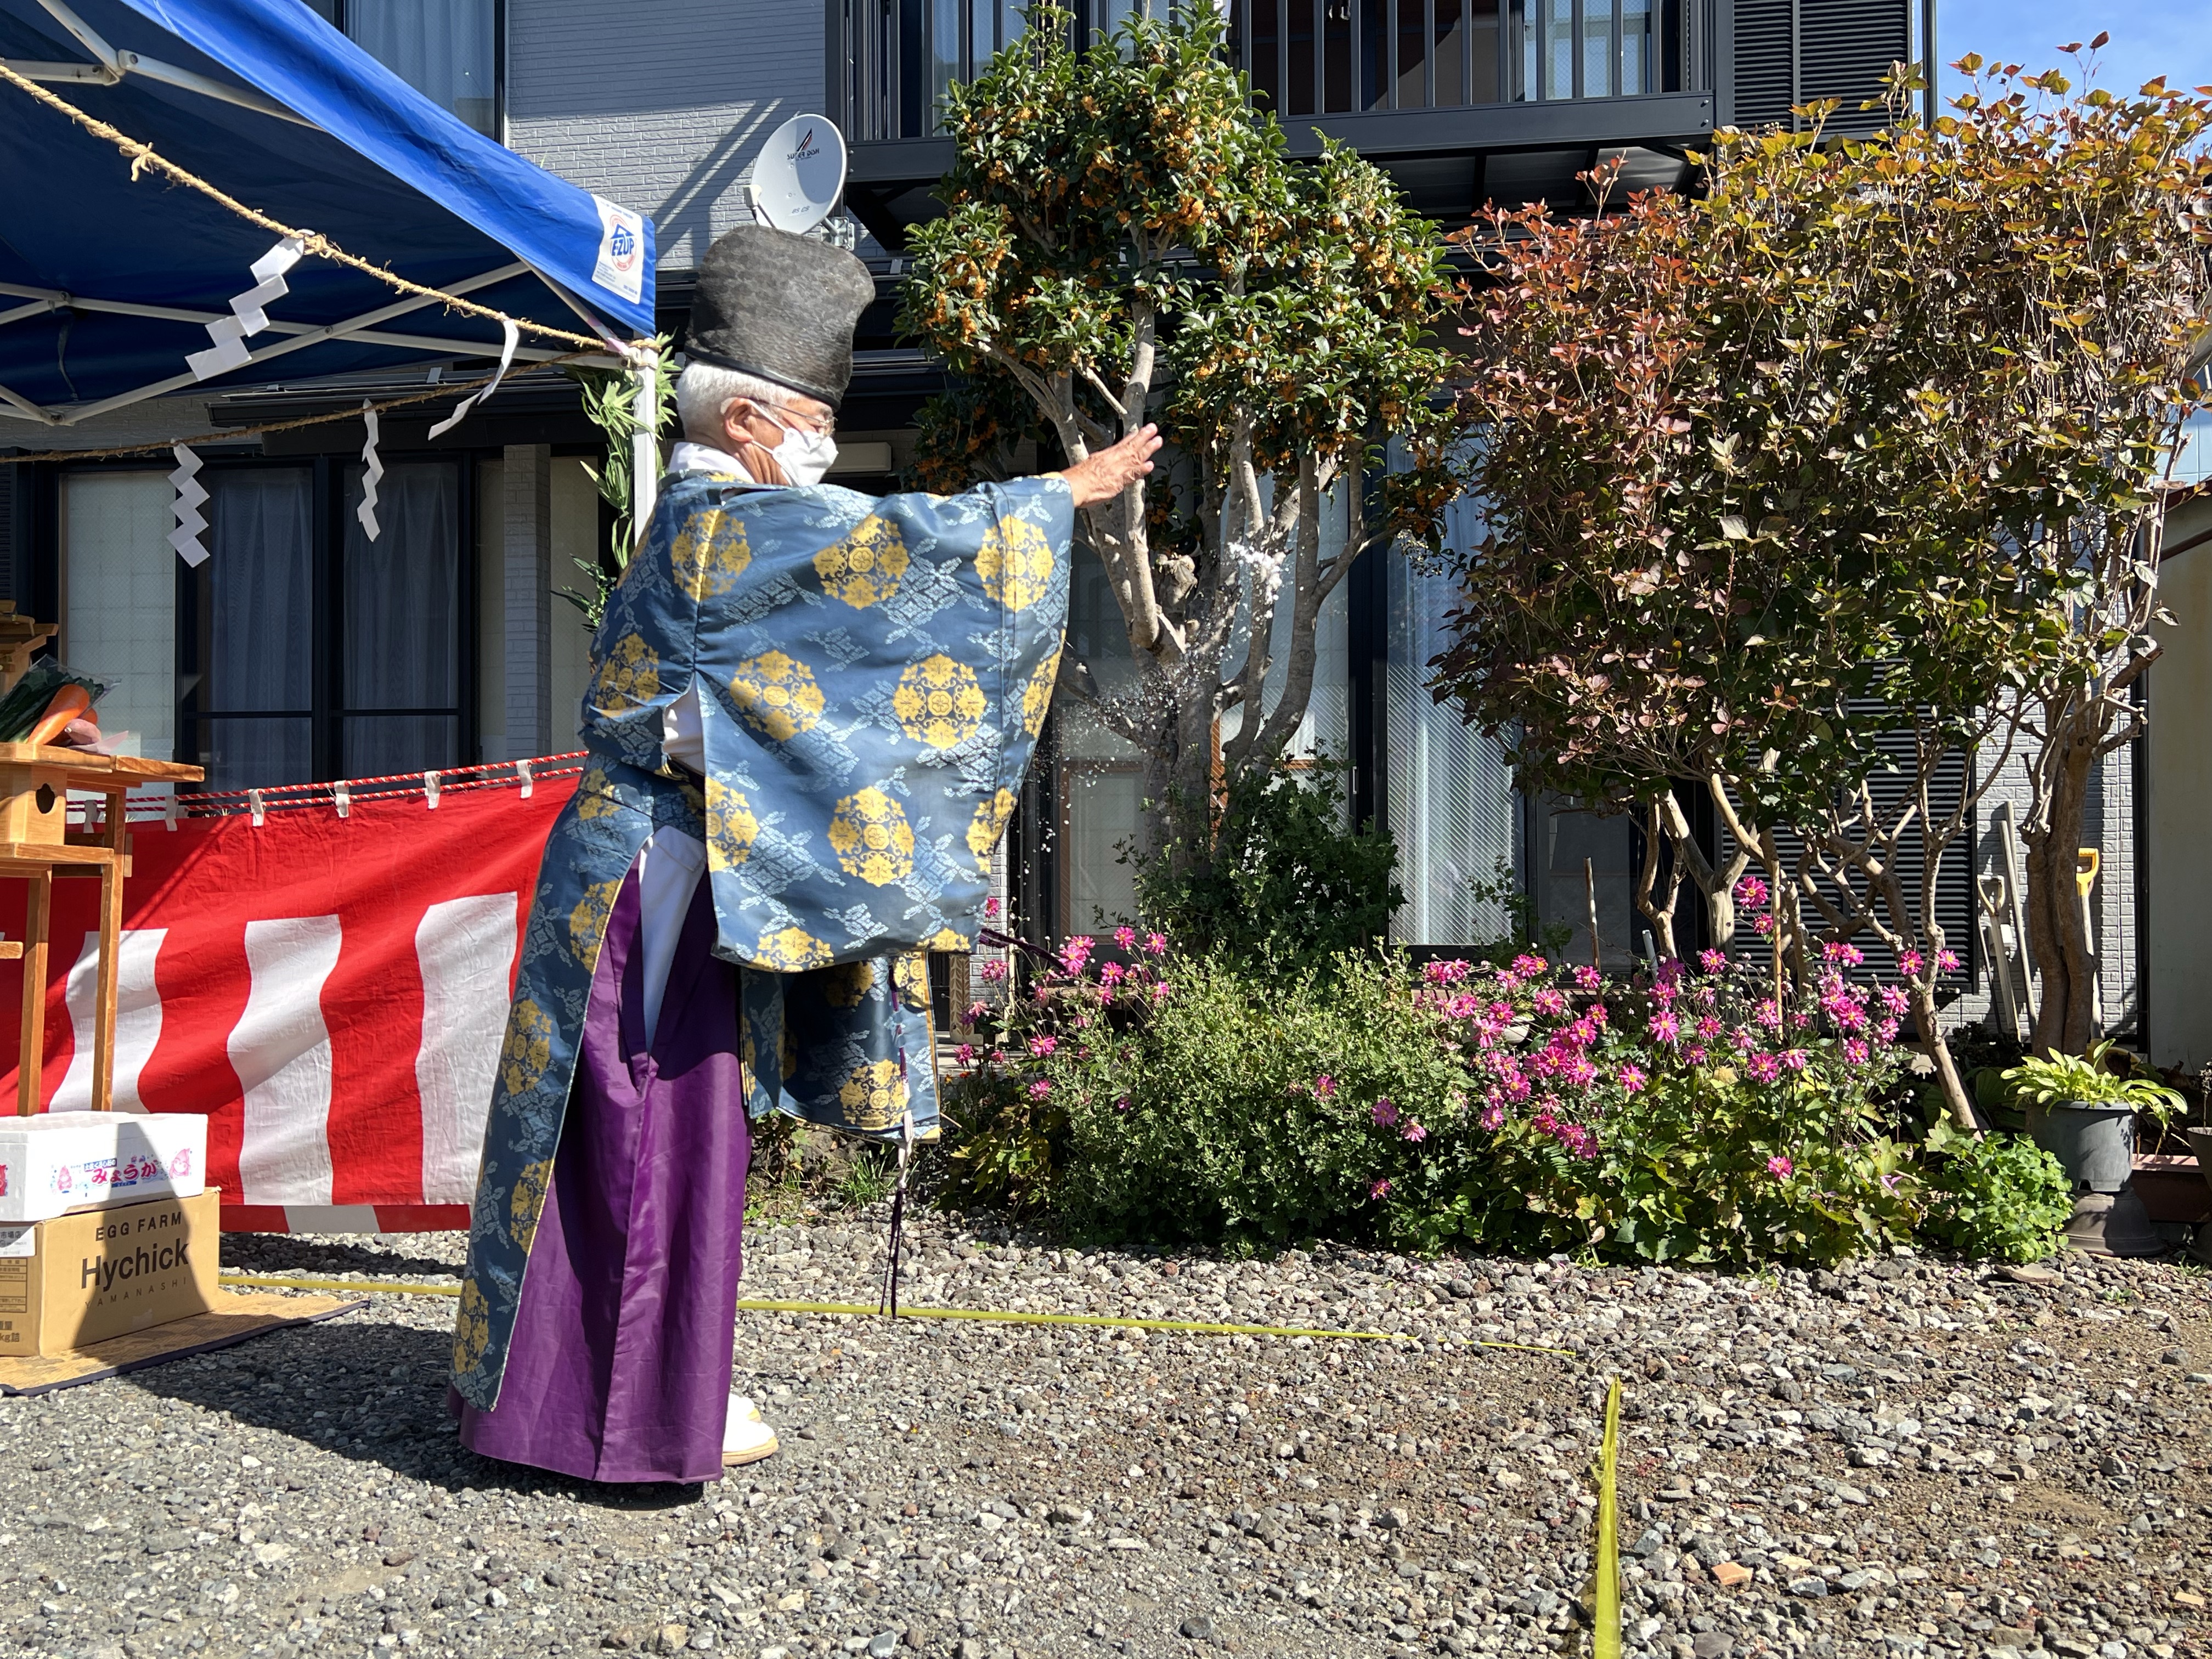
x=620, y=1369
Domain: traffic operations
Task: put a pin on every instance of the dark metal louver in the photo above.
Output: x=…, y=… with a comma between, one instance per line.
x=1789, y=52
x=1955, y=886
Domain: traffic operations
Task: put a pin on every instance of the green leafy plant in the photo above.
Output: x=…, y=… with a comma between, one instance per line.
x=2087, y=1080
x=1998, y=1197
x=1681, y=1117
x=1521, y=1106
x=1008, y=1144
x=1285, y=879
x=609, y=401
x=870, y=1174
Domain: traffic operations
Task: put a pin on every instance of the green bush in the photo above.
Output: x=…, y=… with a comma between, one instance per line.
x=1288, y=883
x=1208, y=1103
x=1677, y=1117
x=1522, y=1107
x=1995, y=1196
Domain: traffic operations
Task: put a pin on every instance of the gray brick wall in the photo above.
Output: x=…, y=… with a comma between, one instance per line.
x=2109, y=825
x=659, y=104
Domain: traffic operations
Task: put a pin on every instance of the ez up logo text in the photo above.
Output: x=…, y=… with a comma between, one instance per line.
x=620, y=268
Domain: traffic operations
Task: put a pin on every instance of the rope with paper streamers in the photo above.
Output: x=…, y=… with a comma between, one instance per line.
x=232, y=435
x=143, y=157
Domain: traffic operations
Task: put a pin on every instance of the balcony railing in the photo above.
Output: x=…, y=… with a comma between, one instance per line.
x=1307, y=58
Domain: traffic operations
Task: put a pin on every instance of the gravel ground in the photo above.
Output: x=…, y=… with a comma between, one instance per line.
x=1913, y=1458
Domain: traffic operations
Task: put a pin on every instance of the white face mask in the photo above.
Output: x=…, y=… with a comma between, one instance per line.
x=803, y=456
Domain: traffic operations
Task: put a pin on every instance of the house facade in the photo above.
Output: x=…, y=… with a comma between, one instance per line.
x=301, y=651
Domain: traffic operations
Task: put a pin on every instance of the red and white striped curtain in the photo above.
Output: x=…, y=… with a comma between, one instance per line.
x=328, y=981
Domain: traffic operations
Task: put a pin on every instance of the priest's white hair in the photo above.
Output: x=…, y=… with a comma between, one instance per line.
x=703, y=391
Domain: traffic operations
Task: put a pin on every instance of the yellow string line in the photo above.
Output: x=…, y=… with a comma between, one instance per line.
x=143, y=157
x=1605, y=1609
x=230, y=434
x=854, y=1308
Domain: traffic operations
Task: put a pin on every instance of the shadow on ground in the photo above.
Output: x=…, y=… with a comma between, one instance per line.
x=276, y=1252
x=375, y=1395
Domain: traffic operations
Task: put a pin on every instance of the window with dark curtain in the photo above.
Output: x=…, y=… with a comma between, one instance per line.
x=307, y=651
x=247, y=676
x=399, y=610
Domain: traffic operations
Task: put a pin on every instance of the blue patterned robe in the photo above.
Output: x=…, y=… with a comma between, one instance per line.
x=872, y=676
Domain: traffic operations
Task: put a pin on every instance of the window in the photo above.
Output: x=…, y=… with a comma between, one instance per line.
x=1450, y=804
x=447, y=50
x=306, y=651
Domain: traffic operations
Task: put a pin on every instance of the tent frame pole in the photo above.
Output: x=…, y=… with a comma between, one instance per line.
x=362, y=328
x=113, y=65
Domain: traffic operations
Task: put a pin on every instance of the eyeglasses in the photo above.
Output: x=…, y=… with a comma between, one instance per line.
x=820, y=426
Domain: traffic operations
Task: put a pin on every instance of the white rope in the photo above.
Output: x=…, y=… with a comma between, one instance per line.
x=372, y=473
x=246, y=315
x=190, y=493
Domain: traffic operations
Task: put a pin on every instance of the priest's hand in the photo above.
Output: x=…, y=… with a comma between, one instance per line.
x=1102, y=476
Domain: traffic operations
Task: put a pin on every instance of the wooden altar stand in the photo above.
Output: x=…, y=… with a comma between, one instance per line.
x=36, y=847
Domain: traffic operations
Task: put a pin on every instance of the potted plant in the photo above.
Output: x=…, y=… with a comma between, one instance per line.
x=2084, y=1115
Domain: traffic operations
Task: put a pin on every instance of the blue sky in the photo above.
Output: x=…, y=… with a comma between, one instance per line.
x=2172, y=38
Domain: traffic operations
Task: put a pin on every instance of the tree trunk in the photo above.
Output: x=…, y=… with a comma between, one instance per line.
x=1922, y=990
x=2065, y=1021
x=1177, y=776
x=1661, y=917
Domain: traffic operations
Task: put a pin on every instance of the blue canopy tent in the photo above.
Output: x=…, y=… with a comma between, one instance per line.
x=107, y=283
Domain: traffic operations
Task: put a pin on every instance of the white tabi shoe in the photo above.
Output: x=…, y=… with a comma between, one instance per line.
x=745, y=1438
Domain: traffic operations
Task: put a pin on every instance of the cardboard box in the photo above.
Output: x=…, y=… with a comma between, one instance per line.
x=81, y=1278
x=55, y=1162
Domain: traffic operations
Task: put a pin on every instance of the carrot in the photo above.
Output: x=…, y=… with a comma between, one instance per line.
x=69, y=702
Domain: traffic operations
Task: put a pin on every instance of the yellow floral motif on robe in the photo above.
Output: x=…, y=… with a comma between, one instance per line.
x=593, y=800
x=528, y=1203
x=709, y=554
x=848, y=982
x=471, y=1329
x=948, y=940
x=938, y=701
x=873, y=839
x=777, y=694
x=628, y=678
x=792, y=950
x=988, y=825
x=528, y=1049
x=1037, y=696
x=911, y=974
x=732, y=828
x=864, y=568
x=1015, y=562
x=587, y=922
x=874, y=1096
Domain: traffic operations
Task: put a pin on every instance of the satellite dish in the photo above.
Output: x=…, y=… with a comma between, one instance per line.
x=799, y=175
